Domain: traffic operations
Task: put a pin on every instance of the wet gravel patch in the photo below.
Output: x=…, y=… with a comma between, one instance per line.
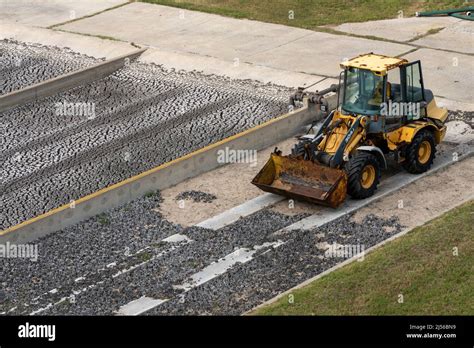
x=22, y=64
x=196, y=196
x=57, y=150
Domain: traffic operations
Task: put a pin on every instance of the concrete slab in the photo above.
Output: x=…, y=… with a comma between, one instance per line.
x=188, y=31
x=321, y=53
x=107, y=49
x=398, y=29
x=177, y=238
x=50, y=12
x=221, y=266
x=244, y=209
x=455, y=105
x=457, y=37
x=448, y=75
x=212, y=271
x=242, y=71
x=91, y=46
x=139, y=306
x=231, y=40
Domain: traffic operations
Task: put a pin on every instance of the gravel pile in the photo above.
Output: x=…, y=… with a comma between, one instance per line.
x=24, y=64
x=196, y=196
x=77, y=142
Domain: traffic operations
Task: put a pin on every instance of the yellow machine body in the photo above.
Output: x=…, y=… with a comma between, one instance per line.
x=405, y=134
x=320, y=169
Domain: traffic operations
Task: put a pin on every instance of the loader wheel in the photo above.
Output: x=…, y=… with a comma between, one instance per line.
x=420, y=153
x=363, y=171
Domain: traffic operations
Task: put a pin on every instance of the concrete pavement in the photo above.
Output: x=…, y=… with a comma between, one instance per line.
x=397, y=29
x=232, y=40
x=244, y=49
x=448, y=75
x=445, y=33
x=457, y=37
x=88, y=45
x=49, y=12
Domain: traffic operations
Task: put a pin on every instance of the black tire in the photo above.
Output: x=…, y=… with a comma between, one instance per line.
x=355, y=169
x=413, y=163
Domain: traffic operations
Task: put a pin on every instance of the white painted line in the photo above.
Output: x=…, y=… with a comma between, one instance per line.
x=212, y=271
x=177, y=238
x=174, y=237
x=221, y=266
x=174, y=247
x=387, y=187
x=139, y=306
x=245, y=209
x=41, y=309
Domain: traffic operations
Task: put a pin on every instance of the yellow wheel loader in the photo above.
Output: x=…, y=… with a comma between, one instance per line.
x=383, y=111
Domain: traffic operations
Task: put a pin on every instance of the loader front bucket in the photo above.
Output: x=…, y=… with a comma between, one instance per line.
x=303, y=180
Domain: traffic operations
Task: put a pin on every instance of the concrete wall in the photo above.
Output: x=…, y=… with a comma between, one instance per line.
x=67, y=81
x=161, y=177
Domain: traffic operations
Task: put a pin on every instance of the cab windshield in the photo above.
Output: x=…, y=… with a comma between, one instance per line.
x=363, y=92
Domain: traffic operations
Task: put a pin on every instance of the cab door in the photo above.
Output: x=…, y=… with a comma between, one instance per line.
x=413, y=90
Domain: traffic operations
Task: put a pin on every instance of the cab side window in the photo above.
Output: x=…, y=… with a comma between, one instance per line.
x=414, y=86
x=394, y=89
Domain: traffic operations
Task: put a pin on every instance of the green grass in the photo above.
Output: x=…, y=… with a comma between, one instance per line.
x=152, y=194
x=103, y=219
x=145, y=256
x=310, y=14
x=420, y=266
x=429, y=32
x=103, y=37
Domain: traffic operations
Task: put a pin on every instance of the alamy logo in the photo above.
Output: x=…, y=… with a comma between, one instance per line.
x=345, y=251
x=399, y=109
x=14, y=251
x=237, y=156
x=75, y=109
x=37, y=331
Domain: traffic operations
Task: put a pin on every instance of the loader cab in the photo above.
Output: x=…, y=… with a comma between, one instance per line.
x=363, y=92
x=389, y=90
